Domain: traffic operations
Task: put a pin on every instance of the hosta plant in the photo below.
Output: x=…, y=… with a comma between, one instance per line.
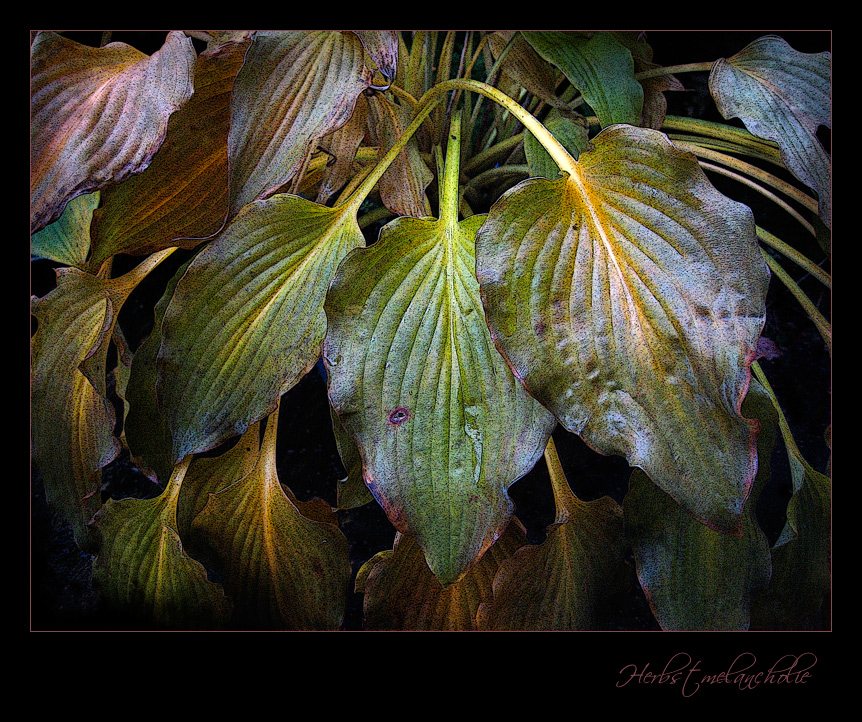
x=484, y=253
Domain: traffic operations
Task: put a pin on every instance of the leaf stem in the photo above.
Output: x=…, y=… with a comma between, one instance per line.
x=704, y=67
x=823, y=326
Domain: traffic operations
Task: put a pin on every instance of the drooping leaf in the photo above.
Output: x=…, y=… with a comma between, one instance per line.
x=285, y=562
x=382, y=46
x=67, y=240
x=182, y=196
x=98, y=115
x=696, y=578
x=597, y=65
x=341, y=147
x=561, y=583
x=143, y=571
x=442, y=426
x=782, y=95
x=72, y=421
x=628, y=297
x=294, y=88
x=145, y=429
x=401, y=593
x=246, y=321
x=72, y=418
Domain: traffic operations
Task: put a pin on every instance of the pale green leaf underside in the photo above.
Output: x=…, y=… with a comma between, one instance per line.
x=246, y=321
x=442, y=425
x=782, y=95
x=629, y=300
x=67, y=240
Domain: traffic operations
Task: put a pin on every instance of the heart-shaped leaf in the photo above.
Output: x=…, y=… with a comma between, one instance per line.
x=98, y=115
x=442, y=426
x=246, y=321
x=782, y=95
x=628, y=296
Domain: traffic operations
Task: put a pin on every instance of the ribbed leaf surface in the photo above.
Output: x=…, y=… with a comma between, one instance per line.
x=442, y=425
x=246, y=321
x=629, y=298
x=782, y=95
x=98, y=115
x=294, y=88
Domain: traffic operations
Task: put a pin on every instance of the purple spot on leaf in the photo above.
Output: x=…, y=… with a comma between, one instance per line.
x=399, y=416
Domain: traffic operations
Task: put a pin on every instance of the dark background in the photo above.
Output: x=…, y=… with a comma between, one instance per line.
x=62, y=597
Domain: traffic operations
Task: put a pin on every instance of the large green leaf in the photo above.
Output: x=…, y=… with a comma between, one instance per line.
x=98, y=115
x=782, y=95
x=628, y=296
x=599, y=66
x=294, y=88
x=442, y=426
x=246, y=321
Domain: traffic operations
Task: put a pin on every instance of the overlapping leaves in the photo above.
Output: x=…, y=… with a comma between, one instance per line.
x=442, y=426
x=98, y=115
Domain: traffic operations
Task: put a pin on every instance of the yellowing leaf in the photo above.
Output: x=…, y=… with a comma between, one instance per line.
x=98, y=115
x=142, y=569
x=782, y=95
x=294, y=88
x=246, y=321
x=72, y=421
x=286, y=568
x=442, y=426
x=628, y=296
